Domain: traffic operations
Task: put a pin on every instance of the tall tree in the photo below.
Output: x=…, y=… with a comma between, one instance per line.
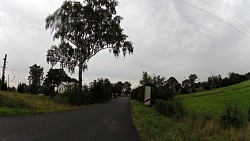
x=192, y=78
x=173, y=83
x=54, y=77
x=36, y=76
x=127, y=88
x=84, y=29
x=118, y=88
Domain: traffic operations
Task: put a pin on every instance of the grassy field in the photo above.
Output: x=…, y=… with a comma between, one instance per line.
x=22, y=104
x=212, y=102
x=202, y=123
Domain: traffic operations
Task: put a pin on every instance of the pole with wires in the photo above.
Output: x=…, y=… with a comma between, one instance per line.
x=4, y=67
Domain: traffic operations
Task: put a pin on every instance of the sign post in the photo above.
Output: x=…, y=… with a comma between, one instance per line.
x=147, y=96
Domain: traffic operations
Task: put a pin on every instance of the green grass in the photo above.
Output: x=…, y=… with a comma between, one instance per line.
x=212, y=102
x=12, y=103
x=153, y=126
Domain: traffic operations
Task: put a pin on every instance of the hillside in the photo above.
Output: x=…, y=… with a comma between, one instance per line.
x=12, y=103
x=211, y=102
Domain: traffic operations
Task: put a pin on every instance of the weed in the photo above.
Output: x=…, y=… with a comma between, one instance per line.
x=231, y=116
x=170, y=108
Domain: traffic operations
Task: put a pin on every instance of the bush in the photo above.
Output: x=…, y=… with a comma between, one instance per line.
x=184, y=91
x=170, y=108
x=232, y=117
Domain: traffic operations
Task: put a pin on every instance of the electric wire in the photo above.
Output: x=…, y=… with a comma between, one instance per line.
x=213, y=15
x=233, y=18
x=6, y=35
x=5, y=1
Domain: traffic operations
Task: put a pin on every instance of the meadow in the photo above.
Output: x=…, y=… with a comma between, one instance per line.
x=212, y=102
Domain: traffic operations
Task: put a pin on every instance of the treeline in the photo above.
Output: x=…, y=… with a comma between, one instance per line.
x=100, y=90
x=163, y=88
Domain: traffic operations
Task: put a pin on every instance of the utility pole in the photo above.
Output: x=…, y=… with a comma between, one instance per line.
x=4, y=67
x=8, y=81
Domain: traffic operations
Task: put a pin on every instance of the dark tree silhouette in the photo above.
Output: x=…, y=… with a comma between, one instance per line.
x=36, y=76
x=84, y=29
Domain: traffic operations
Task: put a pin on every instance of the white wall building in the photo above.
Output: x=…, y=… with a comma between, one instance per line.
x=64, y=87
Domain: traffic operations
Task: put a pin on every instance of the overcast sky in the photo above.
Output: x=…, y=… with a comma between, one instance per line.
x=170, y=37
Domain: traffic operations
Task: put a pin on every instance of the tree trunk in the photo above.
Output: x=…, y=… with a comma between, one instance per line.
x=80, y=79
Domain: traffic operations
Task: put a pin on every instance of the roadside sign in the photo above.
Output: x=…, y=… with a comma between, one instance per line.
x=147, y=96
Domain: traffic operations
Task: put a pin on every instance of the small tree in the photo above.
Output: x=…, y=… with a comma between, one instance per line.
x=127, y=88
x=85, y=29
x=22, y=88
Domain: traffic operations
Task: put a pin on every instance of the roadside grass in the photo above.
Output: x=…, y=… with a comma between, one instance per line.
x=212, y=102
x=12, y=103
x=153, y=126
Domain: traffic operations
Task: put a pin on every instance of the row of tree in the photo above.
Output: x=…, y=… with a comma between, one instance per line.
x=99, y=90
x=167, y=89
x=46, y=85
x=102, y=90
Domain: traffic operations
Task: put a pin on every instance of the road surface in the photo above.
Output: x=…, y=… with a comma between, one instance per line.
x=100, y=122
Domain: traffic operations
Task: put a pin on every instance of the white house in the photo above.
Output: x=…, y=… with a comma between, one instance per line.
x=64, y=87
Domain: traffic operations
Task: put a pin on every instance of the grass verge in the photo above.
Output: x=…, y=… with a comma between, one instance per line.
x=153, y=126
x=12, y=104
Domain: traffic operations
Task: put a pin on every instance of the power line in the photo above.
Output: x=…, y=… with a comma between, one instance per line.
x=211, y=14
x=233, y=18
x=6, y=35
x=5, y=1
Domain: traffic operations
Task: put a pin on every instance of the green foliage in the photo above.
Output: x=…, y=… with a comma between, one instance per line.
x=170, y=108
x=118, y=88
x=174, y=84
x=231, y=116
x=138, y=94
x=153, y=126
x=192, y=78
x=161, y=89
x=35, y=78
x=100, y=90
x=84, y=29
x=23, y=88
x=4, y=86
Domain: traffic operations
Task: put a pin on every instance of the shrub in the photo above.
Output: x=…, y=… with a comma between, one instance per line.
x=170, y=108
x=184, y=91
x=232, y=117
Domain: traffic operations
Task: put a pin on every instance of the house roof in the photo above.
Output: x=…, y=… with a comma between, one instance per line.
x=66, y=83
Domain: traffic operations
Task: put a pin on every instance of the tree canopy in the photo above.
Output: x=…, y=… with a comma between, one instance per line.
x=36, y=77
x=84, y=29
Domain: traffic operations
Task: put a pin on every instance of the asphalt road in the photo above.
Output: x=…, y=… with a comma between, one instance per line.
x=100, y=122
